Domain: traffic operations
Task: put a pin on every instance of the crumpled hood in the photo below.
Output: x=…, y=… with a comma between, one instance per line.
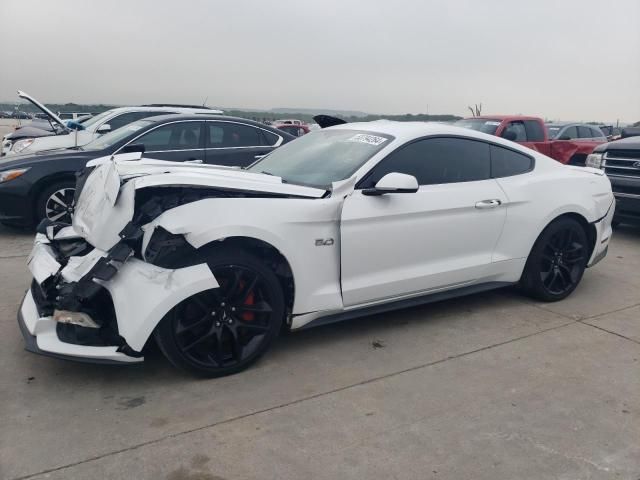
x=149, y=172
x=106, y=203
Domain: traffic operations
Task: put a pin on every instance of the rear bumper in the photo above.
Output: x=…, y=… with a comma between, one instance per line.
x=603, y=237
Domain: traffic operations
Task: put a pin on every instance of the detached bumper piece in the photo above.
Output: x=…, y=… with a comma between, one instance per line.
x=47, y=314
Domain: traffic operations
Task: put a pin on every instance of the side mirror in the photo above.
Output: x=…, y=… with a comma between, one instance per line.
x=564, y=137
x=509, y=135
x=393, y=183
x=104, y=128
x=132, y=147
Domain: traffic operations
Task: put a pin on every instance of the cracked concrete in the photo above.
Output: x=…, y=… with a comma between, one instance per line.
x=491, y=386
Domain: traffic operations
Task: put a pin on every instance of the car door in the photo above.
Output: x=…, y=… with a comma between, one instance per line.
x=232, y=143
x=442, y=236
x=177, y=141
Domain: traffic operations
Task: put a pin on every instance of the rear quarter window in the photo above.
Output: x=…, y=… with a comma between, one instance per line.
x=507, y=163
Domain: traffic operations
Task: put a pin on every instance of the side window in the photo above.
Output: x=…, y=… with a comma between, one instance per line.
x=535, y=131
x=230, y=135
x=270, y=139
x=584, y=132
x=174, y=136
x=597, y=133
x=515, y=131
x=506, y=163
x=435, y=161
x=127, y=118
x=569, y=133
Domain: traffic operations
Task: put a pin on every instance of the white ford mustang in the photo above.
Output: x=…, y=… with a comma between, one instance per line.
x=214, y=262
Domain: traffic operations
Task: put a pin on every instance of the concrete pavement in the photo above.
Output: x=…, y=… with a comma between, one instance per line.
x=492, y=386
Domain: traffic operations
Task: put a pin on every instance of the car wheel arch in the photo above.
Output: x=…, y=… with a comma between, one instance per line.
x=589, y=228
x=268, y=253
x=42, y=184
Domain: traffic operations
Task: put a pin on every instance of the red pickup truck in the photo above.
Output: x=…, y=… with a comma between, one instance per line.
x=531, y=132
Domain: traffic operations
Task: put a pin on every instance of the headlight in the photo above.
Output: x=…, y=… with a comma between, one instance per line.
x=11, y=174
x=594, y=160
x=22, y=144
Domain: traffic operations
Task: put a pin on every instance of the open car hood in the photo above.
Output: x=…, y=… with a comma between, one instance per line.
x=42, y=108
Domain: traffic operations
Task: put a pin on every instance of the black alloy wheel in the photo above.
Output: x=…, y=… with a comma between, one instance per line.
x=557, y=261
x=223, y=330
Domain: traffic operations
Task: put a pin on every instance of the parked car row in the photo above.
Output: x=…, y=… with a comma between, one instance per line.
x=31, y=139
x=566, y=143
x=34, y=187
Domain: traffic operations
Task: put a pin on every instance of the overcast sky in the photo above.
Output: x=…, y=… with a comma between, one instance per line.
x=569, y=59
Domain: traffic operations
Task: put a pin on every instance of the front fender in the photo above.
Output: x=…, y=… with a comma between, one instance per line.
x=137, y=314
x=292, y=226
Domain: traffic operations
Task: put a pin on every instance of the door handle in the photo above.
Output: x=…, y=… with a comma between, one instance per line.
x=484, y=204
x=258, y=157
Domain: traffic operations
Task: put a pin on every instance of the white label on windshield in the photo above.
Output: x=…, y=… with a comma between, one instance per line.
x=492, y=123
x=369, y=139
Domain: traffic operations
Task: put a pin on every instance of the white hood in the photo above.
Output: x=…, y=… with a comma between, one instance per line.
x=107, y=201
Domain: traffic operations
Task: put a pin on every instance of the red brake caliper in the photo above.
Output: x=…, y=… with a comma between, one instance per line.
x=249, y=316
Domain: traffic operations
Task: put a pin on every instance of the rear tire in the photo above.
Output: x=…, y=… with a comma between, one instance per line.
x=557, y=261
x=224, y=330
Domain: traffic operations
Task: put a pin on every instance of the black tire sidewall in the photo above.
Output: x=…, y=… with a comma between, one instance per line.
x=39, y=212
x=531, y=281
x=223, y=256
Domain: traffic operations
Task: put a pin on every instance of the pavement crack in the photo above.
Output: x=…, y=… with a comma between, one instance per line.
x=609, y=331
x=622, y=309
x=291, y=403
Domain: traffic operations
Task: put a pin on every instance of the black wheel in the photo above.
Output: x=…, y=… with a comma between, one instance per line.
x=224, y=330
x=56, y=202
x=557, y=261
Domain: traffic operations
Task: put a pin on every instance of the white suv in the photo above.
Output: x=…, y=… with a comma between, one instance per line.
x=108, y=121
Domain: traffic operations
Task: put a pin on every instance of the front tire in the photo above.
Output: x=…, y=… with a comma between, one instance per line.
x=222, y=331
x=56, y=202
x=557, y=261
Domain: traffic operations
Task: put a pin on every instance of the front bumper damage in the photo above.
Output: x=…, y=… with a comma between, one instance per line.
x=123, y=296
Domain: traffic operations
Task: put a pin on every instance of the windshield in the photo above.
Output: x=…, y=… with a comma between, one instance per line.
x=109, y=139
x=480, y=124
x=320, y=158
x=552, y=131
x=97, y=119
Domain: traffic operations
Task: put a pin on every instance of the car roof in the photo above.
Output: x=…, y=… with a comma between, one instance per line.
x=571, y=124
x=502, y=118
x=206, y=116
x=406, y=131
x=223, y=118
x=175, y=109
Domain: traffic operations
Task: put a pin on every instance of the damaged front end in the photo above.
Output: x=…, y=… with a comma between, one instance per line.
x=101, y=286
x=75, y=309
